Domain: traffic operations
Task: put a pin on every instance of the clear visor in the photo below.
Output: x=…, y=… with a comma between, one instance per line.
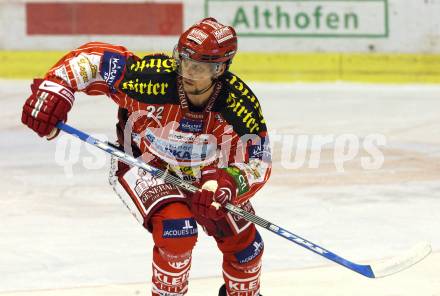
x=195, y=70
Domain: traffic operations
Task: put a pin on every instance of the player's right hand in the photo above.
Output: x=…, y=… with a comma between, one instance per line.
x=218, y=189
x=48, y=104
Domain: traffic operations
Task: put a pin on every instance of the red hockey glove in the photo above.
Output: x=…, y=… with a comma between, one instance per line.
x=218, y=188
x=49, y=103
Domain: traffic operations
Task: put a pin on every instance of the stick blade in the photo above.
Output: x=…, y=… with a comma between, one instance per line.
x=401, y=262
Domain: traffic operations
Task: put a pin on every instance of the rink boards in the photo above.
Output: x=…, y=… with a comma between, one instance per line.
x=277, y=66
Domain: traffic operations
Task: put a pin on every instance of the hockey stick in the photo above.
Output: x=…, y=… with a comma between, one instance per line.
x=381, y=269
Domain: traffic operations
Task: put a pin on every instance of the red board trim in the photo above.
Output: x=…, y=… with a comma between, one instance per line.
x=70, y=18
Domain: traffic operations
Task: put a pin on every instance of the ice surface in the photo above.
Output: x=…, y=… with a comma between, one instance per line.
x=64, y=227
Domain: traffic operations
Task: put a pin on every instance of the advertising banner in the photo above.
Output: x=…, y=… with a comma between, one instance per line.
x=299, y=18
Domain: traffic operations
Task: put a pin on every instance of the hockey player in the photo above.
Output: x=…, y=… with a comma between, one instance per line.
x=189, y=115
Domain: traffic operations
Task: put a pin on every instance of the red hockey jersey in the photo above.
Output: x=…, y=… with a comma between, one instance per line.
x=157, y=121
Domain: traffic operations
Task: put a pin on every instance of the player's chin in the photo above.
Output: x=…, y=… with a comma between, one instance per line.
x=193, y=92
x=191, y=89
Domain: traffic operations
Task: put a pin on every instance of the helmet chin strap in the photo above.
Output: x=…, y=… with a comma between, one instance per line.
x=201, y=91
x=204, y=90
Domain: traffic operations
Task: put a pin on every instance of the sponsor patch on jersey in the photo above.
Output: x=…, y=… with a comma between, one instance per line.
x=61, y=72
x=252, y=251
x=244, y=106
x=151, y=80
x=191, y=126
x=254, y=170
x=152, y=64
x=255, y=151
x=144, y=183
x=173, y=228
x=198, y=36
x=147, y=88
x=181, y=137
x=85, y=69
x=260, y=151
x=179, y=152
x=239, y=178
x=112, y=67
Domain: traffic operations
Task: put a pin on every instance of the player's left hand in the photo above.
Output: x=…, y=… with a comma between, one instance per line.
x=218, y=188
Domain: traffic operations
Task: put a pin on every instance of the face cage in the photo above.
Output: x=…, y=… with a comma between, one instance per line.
x=195, y=70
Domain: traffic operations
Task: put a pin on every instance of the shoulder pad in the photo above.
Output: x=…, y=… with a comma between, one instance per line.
x=150, y=80
x=241, y=107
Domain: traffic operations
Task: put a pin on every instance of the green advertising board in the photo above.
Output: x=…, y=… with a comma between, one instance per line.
x=304, y=18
